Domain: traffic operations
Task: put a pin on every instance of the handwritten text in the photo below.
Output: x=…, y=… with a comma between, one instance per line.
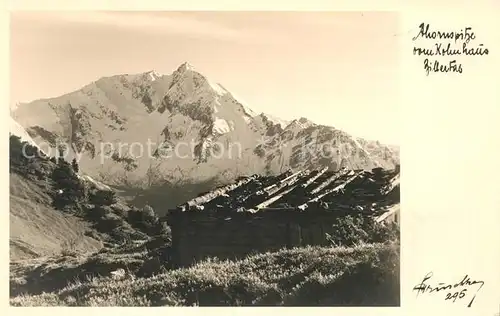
x=453, y=292
x=450, y=44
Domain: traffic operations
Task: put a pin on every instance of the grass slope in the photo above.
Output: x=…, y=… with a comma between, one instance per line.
x=55, y=211
x=364, y=275
x=37, y=229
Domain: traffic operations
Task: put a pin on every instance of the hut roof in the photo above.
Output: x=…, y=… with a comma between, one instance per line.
x=363, y=191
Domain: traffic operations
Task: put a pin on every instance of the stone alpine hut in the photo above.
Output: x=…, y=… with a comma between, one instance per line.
x=265, y=213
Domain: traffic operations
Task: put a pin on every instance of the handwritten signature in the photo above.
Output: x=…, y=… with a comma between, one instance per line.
x=454, y=291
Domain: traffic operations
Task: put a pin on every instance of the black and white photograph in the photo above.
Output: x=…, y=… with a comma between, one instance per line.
x=204, y=158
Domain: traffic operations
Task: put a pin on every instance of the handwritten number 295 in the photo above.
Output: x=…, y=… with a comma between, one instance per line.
x=455, y=295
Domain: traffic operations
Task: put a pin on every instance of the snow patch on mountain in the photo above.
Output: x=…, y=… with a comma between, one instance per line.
x=300, y=124
x=294, y=126
x=248, y=111
x=305, y=122
x=221, y=126
x=154, y=75
x=356, y=142
x=277, y=120
x=217, y=88
x=99, y=185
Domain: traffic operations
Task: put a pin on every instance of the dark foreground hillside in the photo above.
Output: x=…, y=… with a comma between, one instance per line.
x=74, y=243
x=363, y=275
x=55, y=210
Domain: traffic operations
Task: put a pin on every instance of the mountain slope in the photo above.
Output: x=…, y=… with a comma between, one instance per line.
x=40, y=225
x=37, y=229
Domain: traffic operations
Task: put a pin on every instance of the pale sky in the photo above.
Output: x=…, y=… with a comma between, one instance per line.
x=335, y=68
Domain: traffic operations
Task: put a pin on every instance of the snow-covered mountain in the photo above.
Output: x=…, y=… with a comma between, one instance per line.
x=146, y=128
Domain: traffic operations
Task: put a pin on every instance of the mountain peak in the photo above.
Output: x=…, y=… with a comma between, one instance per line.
x=187, y=79
x=153, y=74
x=300, y=123
x=185, y=66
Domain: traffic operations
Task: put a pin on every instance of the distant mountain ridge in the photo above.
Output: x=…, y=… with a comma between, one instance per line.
x=197, y=130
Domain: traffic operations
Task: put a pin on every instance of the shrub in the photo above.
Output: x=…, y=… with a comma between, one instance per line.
x=382, y=232
x=24, y=158
x=69, y=190
x=349, y=230
x=102, y=197
x=69, y=247
x=74, y=165
x=146, y=220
